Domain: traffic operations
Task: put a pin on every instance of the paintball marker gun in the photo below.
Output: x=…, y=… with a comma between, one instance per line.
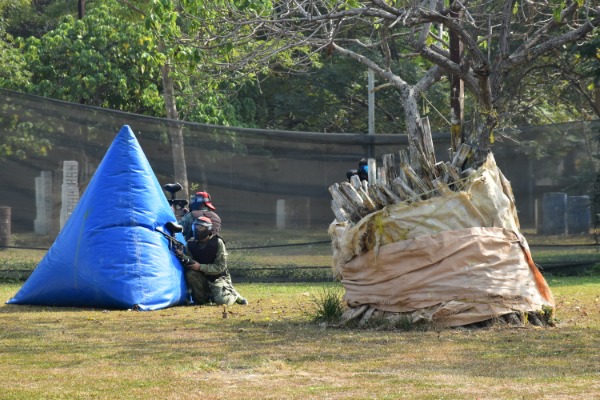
x=177, y=204
x=173, y=227
x=175, y=245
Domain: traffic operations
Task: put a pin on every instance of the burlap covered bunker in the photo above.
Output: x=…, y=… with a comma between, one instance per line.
x=453, y=259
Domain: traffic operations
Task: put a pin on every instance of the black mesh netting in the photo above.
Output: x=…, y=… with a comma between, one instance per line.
x=270, y=187
x=246, y=171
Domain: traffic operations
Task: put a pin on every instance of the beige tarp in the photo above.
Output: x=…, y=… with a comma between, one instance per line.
x=454, y=259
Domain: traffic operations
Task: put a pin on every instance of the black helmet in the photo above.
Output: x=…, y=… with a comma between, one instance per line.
x=202, y=228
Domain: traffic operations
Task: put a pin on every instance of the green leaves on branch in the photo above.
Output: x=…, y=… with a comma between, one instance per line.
x=14, y=73
x=104, y=60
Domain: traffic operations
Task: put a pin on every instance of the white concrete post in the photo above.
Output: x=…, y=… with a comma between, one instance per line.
x=42, y=225
x=69, y=190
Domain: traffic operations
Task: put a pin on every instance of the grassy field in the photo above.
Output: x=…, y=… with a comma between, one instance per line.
x=272, y=349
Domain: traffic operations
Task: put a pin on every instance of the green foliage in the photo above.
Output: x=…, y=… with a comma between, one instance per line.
x=333, y=97
x=14, y=72
x=112, y=58
x=404, y=323
x=595, y=270
x=105, y=60
x=329, y=306
x=25, y=18
x=589, y=55
x=16, y=265
x=284, y=273
x=7, y=4
x=205, y=91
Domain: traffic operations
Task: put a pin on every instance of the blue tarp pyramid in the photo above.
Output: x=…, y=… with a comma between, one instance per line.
x=108, y=254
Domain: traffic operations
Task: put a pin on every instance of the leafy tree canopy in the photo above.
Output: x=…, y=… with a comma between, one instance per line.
x=35, y=18
x=500, y=41
x=102, y=60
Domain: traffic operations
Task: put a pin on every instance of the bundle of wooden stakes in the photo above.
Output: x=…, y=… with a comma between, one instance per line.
x=389, y=184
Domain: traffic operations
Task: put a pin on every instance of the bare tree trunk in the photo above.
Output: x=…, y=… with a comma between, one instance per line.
x=175, y=130
x=414, y=129
x=483, y=135
x=456, y=87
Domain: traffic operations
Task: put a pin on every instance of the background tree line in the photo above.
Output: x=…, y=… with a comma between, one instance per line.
x=293, y=65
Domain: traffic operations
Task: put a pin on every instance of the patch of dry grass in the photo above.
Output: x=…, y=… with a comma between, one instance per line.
x=20, y=259
x=271, y=349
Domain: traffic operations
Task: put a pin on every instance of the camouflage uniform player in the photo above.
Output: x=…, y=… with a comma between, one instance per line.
x=206, y=274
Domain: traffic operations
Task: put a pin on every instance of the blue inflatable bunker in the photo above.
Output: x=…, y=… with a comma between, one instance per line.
x=109, y=254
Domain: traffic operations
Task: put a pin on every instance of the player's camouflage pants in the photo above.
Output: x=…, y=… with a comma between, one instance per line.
x=221, y=291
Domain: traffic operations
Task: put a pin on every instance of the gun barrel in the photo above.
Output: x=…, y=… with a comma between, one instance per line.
x=172, y=241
